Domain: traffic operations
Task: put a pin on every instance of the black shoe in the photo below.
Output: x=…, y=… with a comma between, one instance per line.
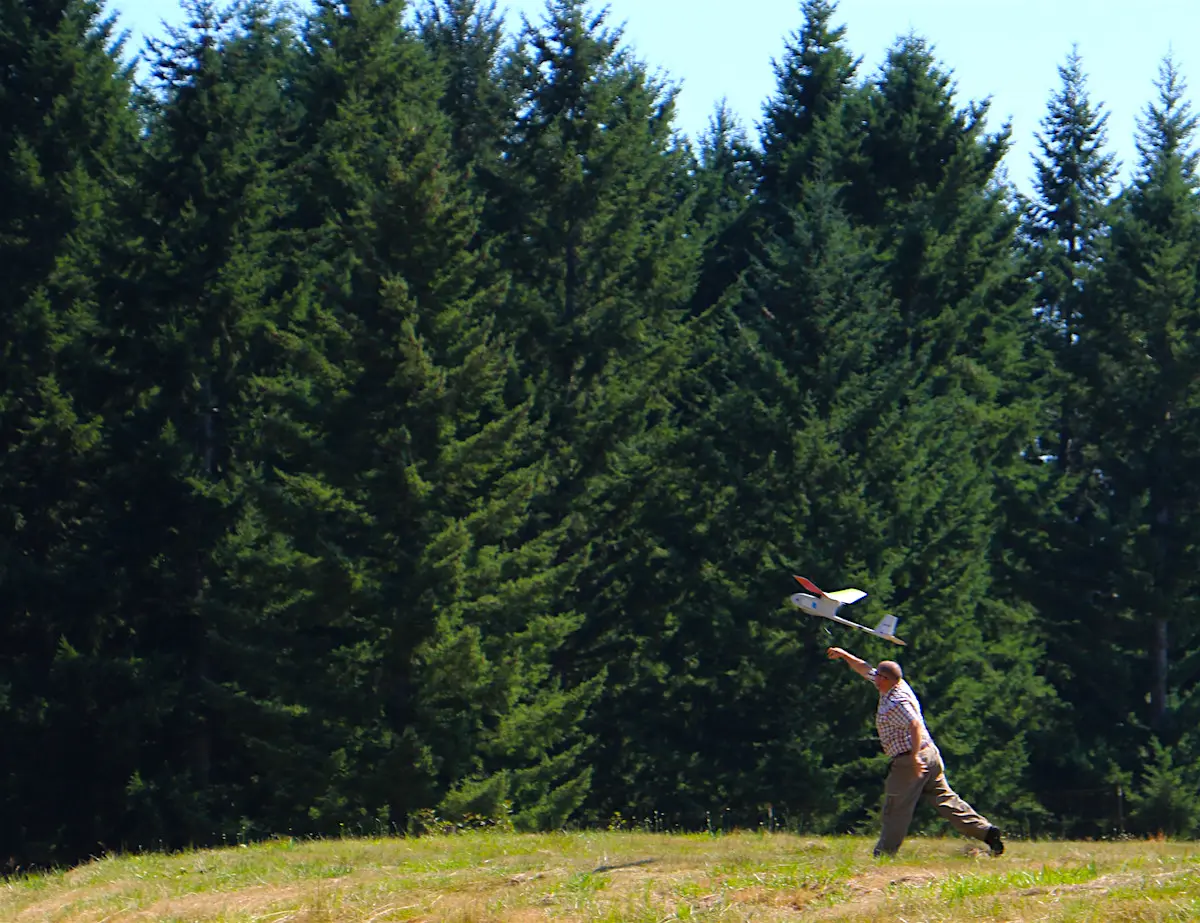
x=992, y=838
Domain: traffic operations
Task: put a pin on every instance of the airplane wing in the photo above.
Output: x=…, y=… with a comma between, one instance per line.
x=850, y=595
x=877, y=632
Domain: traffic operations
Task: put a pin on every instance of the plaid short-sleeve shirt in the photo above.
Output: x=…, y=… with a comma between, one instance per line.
x=898, y=708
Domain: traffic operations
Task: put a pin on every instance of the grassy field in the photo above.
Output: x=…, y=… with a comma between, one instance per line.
x=476, y=877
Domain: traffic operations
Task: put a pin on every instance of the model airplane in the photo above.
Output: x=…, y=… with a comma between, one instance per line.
x=826, y=605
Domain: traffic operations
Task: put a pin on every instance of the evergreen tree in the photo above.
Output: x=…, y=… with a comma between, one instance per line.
x=594, y=229
x=1163, y=803
x=1074, y=179
x=1065, y=231
x=760, y=478
x=222, y=737
x=812, y=84
x=419, y=474
x=808, y=120
x=965, y=405
x=1142, y=331
x=725, y=187
x=66, y=140
x=596, y=226
x=598, y=234
x=466, y=39
x=406, y=424
x=726, y=172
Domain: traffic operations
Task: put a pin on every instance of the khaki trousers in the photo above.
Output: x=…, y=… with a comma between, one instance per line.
x=904, y=788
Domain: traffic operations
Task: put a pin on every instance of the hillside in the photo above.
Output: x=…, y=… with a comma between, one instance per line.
x=477, y=877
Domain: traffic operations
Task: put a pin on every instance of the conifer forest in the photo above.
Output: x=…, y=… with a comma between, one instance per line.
x=404, y=423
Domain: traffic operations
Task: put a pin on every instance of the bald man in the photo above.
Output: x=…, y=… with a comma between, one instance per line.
x=916, y=768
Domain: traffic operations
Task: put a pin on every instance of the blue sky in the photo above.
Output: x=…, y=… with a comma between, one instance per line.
x=1006, y=49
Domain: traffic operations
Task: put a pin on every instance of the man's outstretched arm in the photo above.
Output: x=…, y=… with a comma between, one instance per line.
x=861, y=667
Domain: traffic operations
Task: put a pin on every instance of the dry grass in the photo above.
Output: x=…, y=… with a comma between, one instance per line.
x=594, y=877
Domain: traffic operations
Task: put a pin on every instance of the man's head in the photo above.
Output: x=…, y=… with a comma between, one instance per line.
x=887, y=675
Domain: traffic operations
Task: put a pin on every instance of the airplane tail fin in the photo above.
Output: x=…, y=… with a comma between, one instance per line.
x=808, y=585
x=887, y=626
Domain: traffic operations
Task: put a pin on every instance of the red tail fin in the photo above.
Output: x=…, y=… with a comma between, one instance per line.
x=808, y=585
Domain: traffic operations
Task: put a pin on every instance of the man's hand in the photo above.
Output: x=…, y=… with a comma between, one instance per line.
x=917, y=736
x=861, y=667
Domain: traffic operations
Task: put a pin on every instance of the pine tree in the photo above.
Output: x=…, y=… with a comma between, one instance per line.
x=1142, y=331
x=591, y=199
x=1074, y=178
x=760, y=478
x=598, y=235
x=1073, y=184
x=726, y=172
x=812, y=84
x=808, y=120
x=420, y=473
x=66, y=140
x=918, y=142
x=964, y=407
x=222, y=741
x=466, y=38
x=595, y=224
x=726, y=182
x=1065, y=230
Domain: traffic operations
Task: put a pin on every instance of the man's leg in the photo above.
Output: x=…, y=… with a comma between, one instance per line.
x=964, y=818
x=901, y=792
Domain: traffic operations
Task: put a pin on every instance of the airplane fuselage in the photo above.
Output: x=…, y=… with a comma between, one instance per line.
x=817, y=605
x=826, y=607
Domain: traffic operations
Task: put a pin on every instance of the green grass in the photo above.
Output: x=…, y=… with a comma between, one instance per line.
x=597, y=877
x=957, y=888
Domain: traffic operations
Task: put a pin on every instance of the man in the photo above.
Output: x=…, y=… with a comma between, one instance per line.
x=916, y=764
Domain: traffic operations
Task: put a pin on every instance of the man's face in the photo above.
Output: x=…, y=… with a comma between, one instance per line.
x=883, y=682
